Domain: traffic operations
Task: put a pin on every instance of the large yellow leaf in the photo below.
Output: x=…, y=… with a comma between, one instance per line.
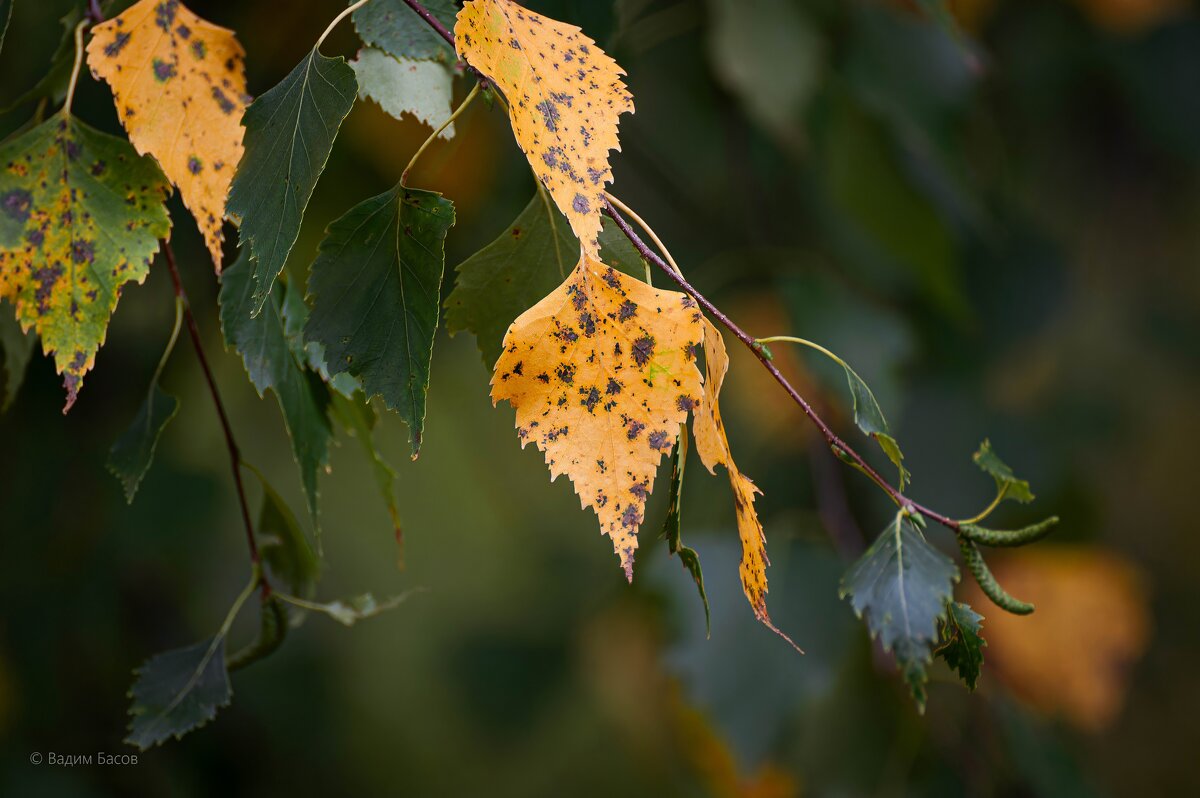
x=180, y=89
x=565, y=96
x=602, y=372
x=713, y=448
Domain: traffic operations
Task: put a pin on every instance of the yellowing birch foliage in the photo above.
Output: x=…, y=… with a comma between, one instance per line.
x=565, y=95
x=602, y=372
x=713, y=448
x=180, y=90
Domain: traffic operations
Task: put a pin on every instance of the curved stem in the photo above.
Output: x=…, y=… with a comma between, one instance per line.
x=545, y=195
x=988, y=510
x=625, y=209
x=235, y=456
x=461, y=107
x=162, y=361
x=75, y=69
x=347, y=11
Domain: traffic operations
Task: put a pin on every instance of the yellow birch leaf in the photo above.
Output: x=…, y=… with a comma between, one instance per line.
x=602, y=372
x=565, y=95
x=180, y=90
x=713, y=448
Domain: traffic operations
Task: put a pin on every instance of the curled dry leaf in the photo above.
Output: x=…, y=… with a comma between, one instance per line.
x=602, y=372
x=180, y=89
x=713, y=448
x=565, y=95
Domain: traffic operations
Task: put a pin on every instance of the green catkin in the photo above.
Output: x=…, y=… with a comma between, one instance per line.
x=1008, y=537
x=987, y=582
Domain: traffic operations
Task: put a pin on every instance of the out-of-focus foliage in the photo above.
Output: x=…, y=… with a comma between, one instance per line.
x=996, y=228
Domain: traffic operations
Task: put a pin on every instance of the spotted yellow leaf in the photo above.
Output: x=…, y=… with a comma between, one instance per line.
x=80, y=216
x=564, y=94
x=180, y=90
x=713, y=448
x=602, y=372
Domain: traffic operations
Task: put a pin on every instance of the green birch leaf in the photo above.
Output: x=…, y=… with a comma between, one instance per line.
x=131, y=456
x=375, y=286
x=1015, y=489
x=962, y=642
x=289, y=135
x=394, y=27
x=17, y=347
x=528, y=260
x=868, y=416
x=358, y=419
x=178, y=691
x=900, y=587
x=81, y=214
x=421, y=89
x=672, y=527
x=284, y=547
x=271, y=361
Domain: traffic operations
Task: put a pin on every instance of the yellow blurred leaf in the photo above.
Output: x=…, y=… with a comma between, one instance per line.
x=564, y=94
x=1073, y=656
x=180, y=90
x=602, y=372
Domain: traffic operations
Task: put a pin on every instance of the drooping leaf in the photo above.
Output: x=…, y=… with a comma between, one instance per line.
x=1076, y=656
x=272, y=630
x=421, y=89
x=272, y=363
x=713, y=447
x=358, y=608
x=395, y=28
x=289, y=135
x=900, y=587
x=962, y=642
x=526, y=262
x=672, y=530
x=283, y=546
x=180, y=88
x=749, y=41
x=131, y=456
x=564, y=99
x=1015, y=489
x=178, y=691
x=17, y=347
x=80, y=215
x=358, y=419
x=602, y=372
x=375, y=286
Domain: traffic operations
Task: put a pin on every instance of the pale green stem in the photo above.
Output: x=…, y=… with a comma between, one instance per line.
x=988, y=510
x=621, y=206
x=404, y=175
x=345, y=13
x=75, y=69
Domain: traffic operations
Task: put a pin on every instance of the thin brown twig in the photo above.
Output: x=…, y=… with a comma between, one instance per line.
x=836, y=443
x=235, y=455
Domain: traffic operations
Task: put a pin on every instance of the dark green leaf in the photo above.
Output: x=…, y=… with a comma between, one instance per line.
x=17, y=348
x=283, y=546
x=272, y=629
x=1016, y=489
x=272, y=363
x=868, y=415
x=178, y=691
x=393, y=26
x=358, y=419
x=375, y=287
x=671, y=527
x=900, y=587
x=529, y=260
x=962, y=642
x=53, y=83
x=289, y=135
x=131, y=456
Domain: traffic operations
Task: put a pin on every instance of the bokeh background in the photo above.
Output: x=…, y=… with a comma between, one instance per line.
x=999, y=227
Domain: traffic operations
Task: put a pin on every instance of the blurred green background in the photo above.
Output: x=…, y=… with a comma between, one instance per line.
x=1000, y=230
